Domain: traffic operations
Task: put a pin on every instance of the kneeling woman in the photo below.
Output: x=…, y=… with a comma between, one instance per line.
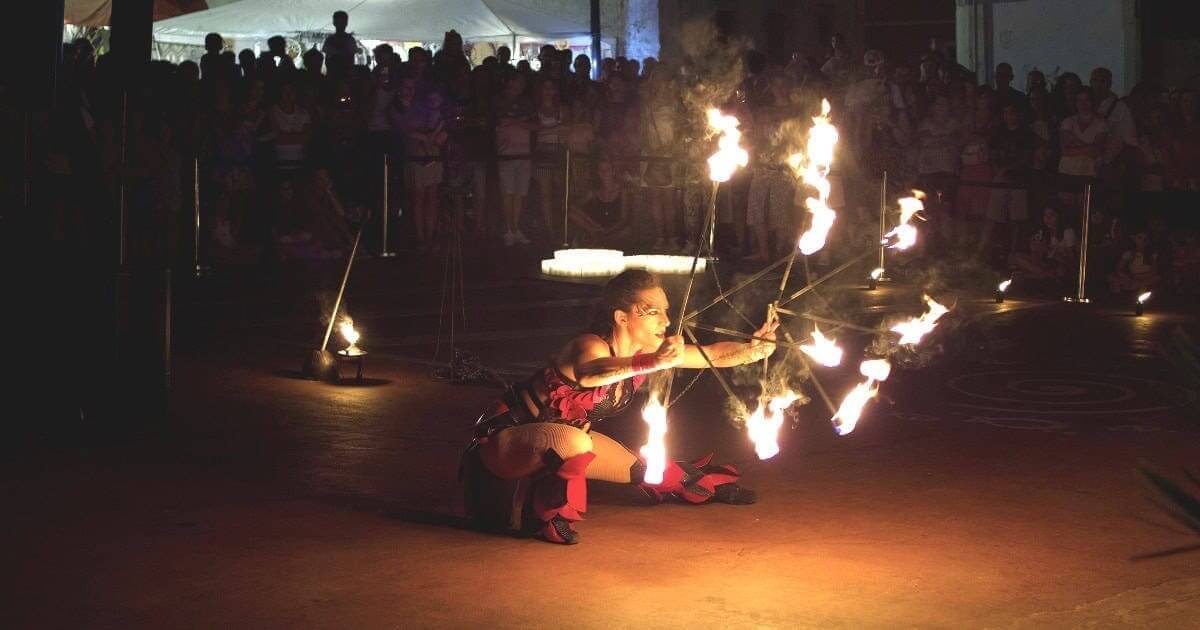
x=541, y=432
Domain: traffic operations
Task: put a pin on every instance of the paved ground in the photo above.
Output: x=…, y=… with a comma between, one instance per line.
x=993, y=484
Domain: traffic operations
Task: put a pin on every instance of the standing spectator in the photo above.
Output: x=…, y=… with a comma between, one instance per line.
x=1035, y=81
x=450, y=61
x=1155, y=152
x=551, y=120
x=1120, y=155
x=1065, y=89
x=417, y=117
x=513, y=129
x=770, y=204
x=1187, y=144
x=210, y=61
x=975, y=166
x=659, y=112
x=1082, y=139
x=1005, y=93
x=1012, y=146
x=246, y=64
x=504, y=55
x=340, y=47
x=291, y=130
x=277, y=46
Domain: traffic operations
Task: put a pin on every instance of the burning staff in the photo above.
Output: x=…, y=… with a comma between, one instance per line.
x=906, y=233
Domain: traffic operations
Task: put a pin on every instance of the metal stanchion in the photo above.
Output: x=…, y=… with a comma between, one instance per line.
x=566, y=199
x=883, y=206
x=167, y=327
x=198, y=269
x=384, y=252
x=121, y=179
x=1080, y=296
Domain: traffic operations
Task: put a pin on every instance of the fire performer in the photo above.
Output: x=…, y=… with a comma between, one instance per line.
x=541, y=432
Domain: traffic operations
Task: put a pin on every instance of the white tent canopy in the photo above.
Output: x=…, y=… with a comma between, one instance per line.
x=394, y=20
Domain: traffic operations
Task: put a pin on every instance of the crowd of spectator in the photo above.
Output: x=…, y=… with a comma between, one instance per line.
x=290, y=159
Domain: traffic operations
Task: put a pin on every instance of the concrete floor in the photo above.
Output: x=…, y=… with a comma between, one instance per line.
x=994, y=487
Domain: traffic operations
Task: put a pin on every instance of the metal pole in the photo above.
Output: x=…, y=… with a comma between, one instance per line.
x=197, y=268
x=337, y=304
x=167, y=326
x=595, y=24
x=882, y=222
x=121, y=178
x=383, y=249
x=1080, y=295
x=27, y=160
x=566, y=198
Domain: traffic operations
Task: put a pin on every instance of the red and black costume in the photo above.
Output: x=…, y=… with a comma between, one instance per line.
x=558, y=494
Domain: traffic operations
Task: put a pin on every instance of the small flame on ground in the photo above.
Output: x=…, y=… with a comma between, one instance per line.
x=877, y=273
x=655, y=451
x=346, y=328
x=813, y=167
x=729, y=155
x=1003, y=286
x=906, y=232
x=763, y=425
x=914, y=329
x=1143, y=297
x=823, y=350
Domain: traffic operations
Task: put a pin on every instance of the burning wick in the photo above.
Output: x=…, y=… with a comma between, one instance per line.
x=763, y=425
x=814, y=171
x=350, y=335
x=1001, y=289
x=655, y=450
x=1139, y=306
x=823, y=350
x=914, y=329
x=905, y=232
x=846, y=418
x=876, y=274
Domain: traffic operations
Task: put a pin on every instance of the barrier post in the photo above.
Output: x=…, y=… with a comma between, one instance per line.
x=384, y=252
x=1080, y=296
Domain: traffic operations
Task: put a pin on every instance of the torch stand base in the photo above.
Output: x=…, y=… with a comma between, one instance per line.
x=1075, y=300
x=321, y=365
x=387, y=254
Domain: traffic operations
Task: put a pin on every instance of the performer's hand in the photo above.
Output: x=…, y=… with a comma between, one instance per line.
x=670, y=353
x=766, y=331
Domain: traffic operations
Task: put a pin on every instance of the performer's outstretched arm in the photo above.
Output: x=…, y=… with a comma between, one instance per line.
x=588, y=361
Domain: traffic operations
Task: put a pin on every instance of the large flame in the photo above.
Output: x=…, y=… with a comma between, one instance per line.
x=763, y=425
x=877, y=273
x=346, y=328
x=914, y=329
x=814, y=171
x=1003, y=286
x=1143, y=297
x=729, y=155
x=906, y=232
x=823, y=350
x=655, y=450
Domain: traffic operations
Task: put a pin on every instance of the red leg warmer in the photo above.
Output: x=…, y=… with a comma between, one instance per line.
x=560, y=497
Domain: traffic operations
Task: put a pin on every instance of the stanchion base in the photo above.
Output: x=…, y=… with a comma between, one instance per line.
x=1075, y=300
x=387, y=254
x=200, y=271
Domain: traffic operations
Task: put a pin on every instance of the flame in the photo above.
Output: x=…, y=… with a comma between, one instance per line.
x=346, y=328
x=1003, y=286
x=823, y=350
x=655, y=450
x=846, y=418
x=813, y=167
x=729, y=155
x=1143, y=297
x=763, y=425
x=914, y=329
x=851, y=408
x=875, y=369
x=905, y=232
x=877, y=273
